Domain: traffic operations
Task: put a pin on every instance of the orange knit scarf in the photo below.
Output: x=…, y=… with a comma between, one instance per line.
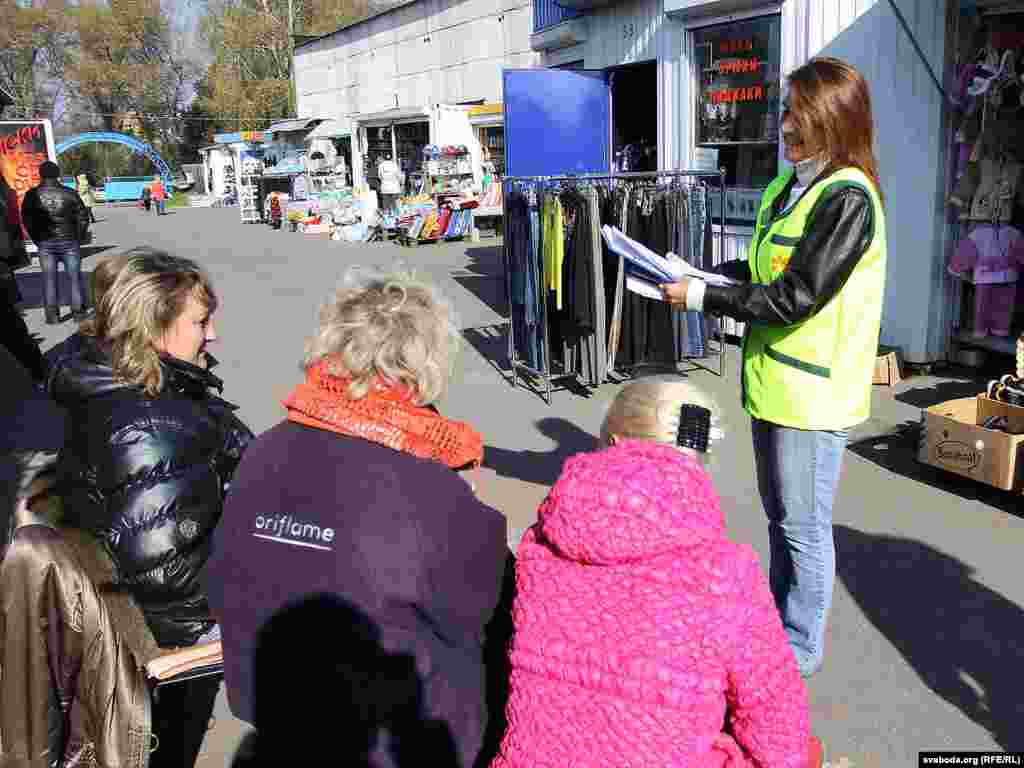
x=387, y=415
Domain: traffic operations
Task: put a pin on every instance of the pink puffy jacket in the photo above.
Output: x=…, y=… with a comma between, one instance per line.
x=643, y=637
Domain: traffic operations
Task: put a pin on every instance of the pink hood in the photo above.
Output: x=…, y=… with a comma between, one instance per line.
x=630, y=502
x=643, y=636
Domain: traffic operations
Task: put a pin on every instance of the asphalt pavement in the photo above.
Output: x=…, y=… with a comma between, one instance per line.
x=926, y=639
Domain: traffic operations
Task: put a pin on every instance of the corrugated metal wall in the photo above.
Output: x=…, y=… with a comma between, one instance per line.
x=548, y=13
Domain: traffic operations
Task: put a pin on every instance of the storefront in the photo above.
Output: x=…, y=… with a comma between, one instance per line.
x=718, y=72
x=400, y=134
x=488, y=121
x=985, y=205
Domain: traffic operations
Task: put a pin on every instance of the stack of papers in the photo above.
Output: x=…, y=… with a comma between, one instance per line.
x=646, y=270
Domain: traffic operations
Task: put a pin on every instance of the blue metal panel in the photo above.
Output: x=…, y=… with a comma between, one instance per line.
x=547, y=13
x=557, y=122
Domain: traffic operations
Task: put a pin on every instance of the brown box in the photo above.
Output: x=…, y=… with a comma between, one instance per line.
x=952, y=439
x=887, y=367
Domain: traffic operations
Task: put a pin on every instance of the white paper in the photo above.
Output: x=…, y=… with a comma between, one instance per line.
x=643, y=288
x=672, y=269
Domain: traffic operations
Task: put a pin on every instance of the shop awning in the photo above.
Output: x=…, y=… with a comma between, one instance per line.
x=302, y=124
x=388, y=116
x=487, y=114
x=330, y=129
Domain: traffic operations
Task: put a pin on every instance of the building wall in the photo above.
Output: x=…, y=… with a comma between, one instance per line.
x=428, y=52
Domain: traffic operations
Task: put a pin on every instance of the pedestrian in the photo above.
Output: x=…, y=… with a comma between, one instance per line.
x=159, y=193
x=14, y=333
x=100, y=279
x=390, y=183
x=57, y=221
x=643, y=635
x=811, y=296
x=85, y=192
x=148, y=459
x=147, y=198
x=355, y=495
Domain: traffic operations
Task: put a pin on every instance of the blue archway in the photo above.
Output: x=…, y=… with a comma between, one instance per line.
x=113, y=137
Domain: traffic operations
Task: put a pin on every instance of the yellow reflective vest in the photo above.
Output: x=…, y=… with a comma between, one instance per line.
x=815, y=374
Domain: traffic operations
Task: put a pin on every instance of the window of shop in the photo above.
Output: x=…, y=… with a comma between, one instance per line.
x=492, y=146
x=635, y=117
x=737, y=73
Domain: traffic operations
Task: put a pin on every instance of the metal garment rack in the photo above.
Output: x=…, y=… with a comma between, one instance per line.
x=545, y=375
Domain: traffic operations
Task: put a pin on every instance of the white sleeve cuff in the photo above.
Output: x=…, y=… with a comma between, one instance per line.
x=695, y=295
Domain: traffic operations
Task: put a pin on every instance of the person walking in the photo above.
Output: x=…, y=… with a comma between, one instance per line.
x=88, y=198
x=811, y=295
x=159, y=195
x=14, y=333
x=57, y=221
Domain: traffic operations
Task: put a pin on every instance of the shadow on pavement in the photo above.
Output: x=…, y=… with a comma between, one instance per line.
x=484, y=278
x=964, y=640
x=896, y=449
x=541, y=467
x=491, y=342
x=323, y=649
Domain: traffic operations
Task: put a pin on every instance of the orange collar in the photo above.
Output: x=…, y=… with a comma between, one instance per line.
x=387, y=416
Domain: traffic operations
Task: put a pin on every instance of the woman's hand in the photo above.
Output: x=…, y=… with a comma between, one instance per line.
x=675, y=293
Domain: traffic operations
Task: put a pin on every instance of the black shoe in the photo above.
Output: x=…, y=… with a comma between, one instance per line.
x=80, y=315
x=52, y=316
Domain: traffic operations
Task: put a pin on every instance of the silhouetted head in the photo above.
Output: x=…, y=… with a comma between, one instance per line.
x=49, y=170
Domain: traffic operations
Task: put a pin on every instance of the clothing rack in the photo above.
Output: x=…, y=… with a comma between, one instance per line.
x=509, y=181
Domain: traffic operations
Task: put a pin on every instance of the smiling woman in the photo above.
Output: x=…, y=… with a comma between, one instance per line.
x=150, y=454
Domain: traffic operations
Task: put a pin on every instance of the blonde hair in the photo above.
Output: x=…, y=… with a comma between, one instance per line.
x=649, y=409
x=389, y=326
x=148, y=295
x=101, y=278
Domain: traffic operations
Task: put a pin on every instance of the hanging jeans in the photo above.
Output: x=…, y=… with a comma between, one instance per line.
x=52, y=252
x=798, y=476
x=696, y=323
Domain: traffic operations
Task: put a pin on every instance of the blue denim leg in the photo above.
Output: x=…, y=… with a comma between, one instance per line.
x=71, y=253
x=48, y=264
x=798, y=476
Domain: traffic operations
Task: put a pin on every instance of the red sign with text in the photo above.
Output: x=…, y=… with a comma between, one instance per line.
x=24, y=146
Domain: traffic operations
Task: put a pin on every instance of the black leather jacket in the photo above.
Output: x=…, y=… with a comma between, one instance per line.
x=51, y=211
x=839, y=232
x=148, y=477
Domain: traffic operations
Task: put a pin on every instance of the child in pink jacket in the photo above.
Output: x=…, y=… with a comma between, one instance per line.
x=643, y=636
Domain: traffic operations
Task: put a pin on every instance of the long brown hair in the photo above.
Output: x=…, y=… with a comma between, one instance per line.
x=830, y=102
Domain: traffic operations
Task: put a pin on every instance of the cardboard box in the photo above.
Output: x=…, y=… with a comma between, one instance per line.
x=887, y=367
x=952, y=439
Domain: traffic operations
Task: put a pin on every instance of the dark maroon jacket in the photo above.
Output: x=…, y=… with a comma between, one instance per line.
x=402, y=539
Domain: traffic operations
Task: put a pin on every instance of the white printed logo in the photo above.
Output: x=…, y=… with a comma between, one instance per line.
x=284, y=529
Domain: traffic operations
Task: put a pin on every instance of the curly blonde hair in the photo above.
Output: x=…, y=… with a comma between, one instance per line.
x=390, y=326
x=148, y=294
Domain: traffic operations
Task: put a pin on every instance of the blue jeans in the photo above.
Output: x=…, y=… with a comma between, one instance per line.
x=51, y=252
x=798, y=475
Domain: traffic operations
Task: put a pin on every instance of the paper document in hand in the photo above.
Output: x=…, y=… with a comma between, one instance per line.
x=654, y=267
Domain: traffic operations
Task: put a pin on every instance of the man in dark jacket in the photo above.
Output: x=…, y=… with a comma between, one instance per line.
x=57, y=221
x=14, y=333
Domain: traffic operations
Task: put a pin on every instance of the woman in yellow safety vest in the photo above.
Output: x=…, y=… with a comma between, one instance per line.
x=810, y=293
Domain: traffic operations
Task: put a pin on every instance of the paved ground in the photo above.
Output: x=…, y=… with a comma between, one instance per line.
x=927, y=637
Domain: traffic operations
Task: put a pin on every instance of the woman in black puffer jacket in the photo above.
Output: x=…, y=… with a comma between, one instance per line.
x=151, y=448
x=150, y=452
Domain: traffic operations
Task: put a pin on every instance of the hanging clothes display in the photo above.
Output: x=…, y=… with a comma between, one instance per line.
x=571, y=313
